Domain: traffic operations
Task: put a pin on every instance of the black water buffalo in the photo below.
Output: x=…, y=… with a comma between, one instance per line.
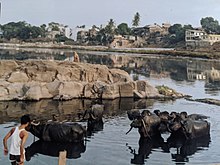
x=133, y=114
x=190, y=128
x=194, y=116
x=73, y=150
x=164, y=121
x=58, y=132
x=95, y=114
x=94, y=118
x=147, y=124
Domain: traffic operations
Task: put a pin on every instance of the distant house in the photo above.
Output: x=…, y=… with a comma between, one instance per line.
x=141, y=31
x=59, y=30
x=147, y=30
x=120, y=42
x=200, y=39
x=127, y=41
x=82, y=36
x=162, y=30
x=52, y=34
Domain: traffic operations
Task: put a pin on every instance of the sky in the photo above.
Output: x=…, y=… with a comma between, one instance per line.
x=98, y=12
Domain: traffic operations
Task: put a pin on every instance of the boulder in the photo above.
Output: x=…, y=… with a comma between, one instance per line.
x=71, y=90
x=126, y=89
x=18, y=77
x=33, y=93
x=111, y=91
x=3, y=93
x=65, y=80
x=146, y=90
x=16, y=90
x=7, y=67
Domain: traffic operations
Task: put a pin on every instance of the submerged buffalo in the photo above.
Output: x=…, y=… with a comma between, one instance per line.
x=150, y=124
x=147, y=124
x=58, y=132
x=191, y=128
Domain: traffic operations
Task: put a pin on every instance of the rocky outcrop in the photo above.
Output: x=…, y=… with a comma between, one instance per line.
x=64, y=80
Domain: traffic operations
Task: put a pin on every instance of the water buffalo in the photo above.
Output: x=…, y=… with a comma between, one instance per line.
x=133, y=114
x=147, y=124
x=194, y=116
x=58, y=132
x=73, y=150
x=164, y=121
x=95, y=114
x=191, y=128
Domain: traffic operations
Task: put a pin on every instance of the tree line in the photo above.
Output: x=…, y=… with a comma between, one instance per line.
x=105, y=35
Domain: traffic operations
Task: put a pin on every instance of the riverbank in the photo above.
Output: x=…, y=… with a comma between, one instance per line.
x=158, y=51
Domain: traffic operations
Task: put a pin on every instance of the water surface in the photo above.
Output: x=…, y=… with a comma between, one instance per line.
x=111, y=145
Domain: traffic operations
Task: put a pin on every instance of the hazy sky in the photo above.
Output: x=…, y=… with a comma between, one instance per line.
x=97, y=12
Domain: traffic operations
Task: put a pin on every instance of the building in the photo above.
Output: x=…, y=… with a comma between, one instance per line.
x=200, y=39
x=151, y=29
x=162, y=30
x=58, y=29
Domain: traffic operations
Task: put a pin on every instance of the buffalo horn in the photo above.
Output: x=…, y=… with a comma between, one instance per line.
x=35, y=124
x=129, y=130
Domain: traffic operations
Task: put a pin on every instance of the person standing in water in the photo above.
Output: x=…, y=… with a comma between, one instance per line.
x=18, y=139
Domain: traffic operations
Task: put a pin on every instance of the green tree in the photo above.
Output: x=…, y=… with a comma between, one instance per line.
x=177, y=32
x=210, y=25
x=55, y=28
x=136, y=20
x=110, y=27
x=61, y=38
x=123, y=29
x=175, y=28
x=20, y=30
x=36, y=32
x=13, y=29
x=43, y=28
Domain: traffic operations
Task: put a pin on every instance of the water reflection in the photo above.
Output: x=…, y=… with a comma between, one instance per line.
x=146, y=145
x=45, y=110
x=185, y=148
x=94, y=128
x=53, y=149
x=179, y=147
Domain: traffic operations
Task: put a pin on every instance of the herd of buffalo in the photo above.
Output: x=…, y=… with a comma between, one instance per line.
x=70, y=136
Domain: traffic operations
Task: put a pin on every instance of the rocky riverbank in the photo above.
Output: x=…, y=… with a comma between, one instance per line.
x=65, y=80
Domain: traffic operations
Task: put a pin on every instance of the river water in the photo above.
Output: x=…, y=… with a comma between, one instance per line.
x=111, y=145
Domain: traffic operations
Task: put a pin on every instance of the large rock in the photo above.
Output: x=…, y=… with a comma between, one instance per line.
x=145, y=90
x=3, y=93
x=64, y=80
x=7, y=67
x=18, y=77
x=126, y=89
x=16, y=90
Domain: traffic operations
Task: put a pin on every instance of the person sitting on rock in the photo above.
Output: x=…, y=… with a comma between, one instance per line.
x=76, y=57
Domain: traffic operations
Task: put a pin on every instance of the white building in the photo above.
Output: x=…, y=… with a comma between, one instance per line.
x=63, y=29
x=200, y=39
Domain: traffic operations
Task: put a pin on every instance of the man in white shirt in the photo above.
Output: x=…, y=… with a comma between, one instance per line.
x=18, y=138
